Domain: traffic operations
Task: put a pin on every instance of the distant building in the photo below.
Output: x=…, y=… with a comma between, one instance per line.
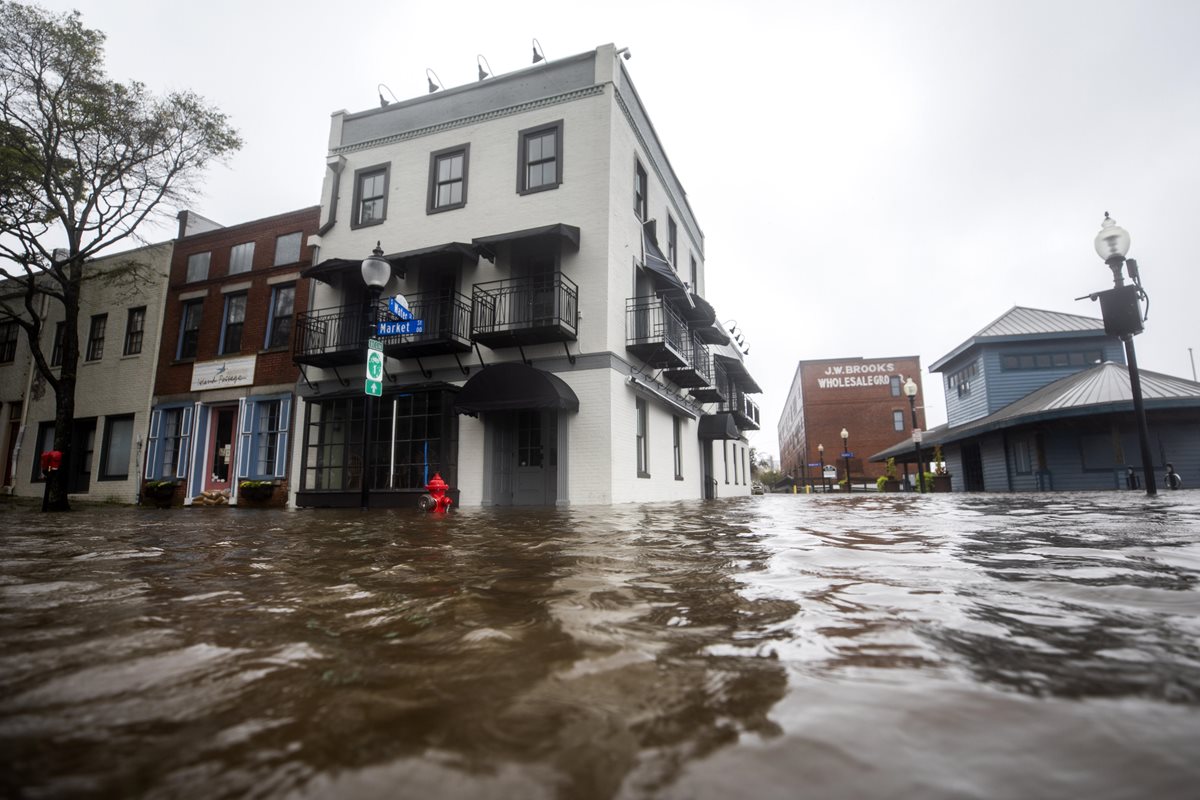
x=568, y=351
x=1040, y=400
x=864, y=396
x=225, y=382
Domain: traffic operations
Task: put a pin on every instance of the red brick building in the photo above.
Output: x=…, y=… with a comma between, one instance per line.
x=864, y=396
x=225, y=380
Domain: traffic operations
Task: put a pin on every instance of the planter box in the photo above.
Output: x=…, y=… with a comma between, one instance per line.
x=891, y=486
x=941, y=483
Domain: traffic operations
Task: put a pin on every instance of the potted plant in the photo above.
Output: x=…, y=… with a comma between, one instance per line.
x=256, y=491
x=159, y=493
x=889, y=481
x=941, y=478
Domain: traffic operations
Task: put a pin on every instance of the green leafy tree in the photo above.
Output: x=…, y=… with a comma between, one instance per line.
x=84, y=162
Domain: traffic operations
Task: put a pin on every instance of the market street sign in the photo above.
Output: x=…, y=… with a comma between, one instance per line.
x=374, y=382
x=393, y=328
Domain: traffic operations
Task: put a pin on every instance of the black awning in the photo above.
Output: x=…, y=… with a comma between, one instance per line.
x=334, y=267
x=664, y=274
x=513, y=386
x=719, y=426
x=736, y=369
x=702, y=312
x=712, y=335
x=569, y=233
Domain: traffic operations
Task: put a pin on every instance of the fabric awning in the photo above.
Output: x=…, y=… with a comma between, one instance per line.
x=719, y=426
x=513, y=386
x=335, y=267
x=662, y=271
x=486, y=245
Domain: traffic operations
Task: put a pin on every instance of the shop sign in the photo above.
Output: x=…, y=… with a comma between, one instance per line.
x=223, y=374
x=841, y=376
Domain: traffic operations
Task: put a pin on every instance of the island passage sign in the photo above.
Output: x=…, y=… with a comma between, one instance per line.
x=841, y=376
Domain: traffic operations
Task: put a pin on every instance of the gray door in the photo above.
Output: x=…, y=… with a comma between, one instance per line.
x=529, y=472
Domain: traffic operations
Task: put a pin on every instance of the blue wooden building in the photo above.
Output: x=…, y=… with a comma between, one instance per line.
x=1041, y=401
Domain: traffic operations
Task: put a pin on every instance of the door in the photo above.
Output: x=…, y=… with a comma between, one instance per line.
x=972, y=461
x=221, y=448
x=524, y=461
x=529, y=472
x=706, y=470
x=83, y=445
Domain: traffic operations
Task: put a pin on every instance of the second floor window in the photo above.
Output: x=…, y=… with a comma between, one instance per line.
x=8, y=342
x=135, y=325
x=370, y=196
x=235, y=319
x=448, y=179
x=56, y=352
x=95, y=345
x=898, y=420
x=692, y=273
x=287, y=248
x=189, y=330
x=241, y=257
x=197, y=266
x=672, y=240
x=540, y=158
x=640, y=204
x=279, y=327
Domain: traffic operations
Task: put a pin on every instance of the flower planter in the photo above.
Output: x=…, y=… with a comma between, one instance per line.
x=159, y=496
x=941, y=483
x=891, y=486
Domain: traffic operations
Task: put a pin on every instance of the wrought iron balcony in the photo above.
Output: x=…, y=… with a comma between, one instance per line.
x=446, y=316
x=520, y=311
x=330, y=337
x=745, y=410
x=697, y=372
x=717, y=390
x=655, y=333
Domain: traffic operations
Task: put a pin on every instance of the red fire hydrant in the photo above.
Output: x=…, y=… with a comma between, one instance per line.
x=436, y=501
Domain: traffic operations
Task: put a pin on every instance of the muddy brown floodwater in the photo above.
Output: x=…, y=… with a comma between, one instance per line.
x=782, y=646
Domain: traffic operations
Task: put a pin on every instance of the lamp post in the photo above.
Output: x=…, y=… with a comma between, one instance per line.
x=910, y=391
x=846, y=457
x=1123, y=316
x=376, y=272
x=821, y=453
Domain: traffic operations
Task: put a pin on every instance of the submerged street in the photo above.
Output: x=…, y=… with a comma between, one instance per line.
x=779, y=646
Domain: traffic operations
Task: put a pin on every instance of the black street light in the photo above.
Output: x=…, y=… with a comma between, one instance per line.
x=376, y=272
x=910, y=391
x=1123, y=317
x=846, y=456
x=821, y=453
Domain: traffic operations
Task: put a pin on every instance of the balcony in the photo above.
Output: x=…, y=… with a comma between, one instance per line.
x=447, y=319
x=697, y=372
x=655, y=333
x=717, y=390
x=330, y=337
x=522, y=311
x=745, y=411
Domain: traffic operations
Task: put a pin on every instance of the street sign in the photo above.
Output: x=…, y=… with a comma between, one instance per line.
x=398, y=305
x=374, y=381
x=392, y=328
x=815, y=464
x=847, y=454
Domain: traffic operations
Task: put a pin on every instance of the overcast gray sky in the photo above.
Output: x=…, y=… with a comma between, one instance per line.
x=872, y=178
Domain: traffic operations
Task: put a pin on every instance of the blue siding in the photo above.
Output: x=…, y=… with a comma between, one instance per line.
x=1007, y=386
x=995, y=463
x=961, y=409
x=953, y=457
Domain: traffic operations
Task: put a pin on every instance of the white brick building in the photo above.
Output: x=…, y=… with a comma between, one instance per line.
x=534, y=225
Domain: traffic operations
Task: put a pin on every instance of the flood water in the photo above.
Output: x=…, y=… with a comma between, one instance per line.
x=781, y=646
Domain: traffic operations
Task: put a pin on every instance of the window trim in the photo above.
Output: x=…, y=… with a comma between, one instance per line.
x=897, y=420
x=677, y=436
x=249, y=263
x=102, y=473
x=56, y=349
x=127, y=349
x=96, y=342
x=275, y=262
x=557, y=127
x=642, y=440
x=8, y=353
x=222, y=350
x=356, y=208
x=672, y=240
x=431, y=206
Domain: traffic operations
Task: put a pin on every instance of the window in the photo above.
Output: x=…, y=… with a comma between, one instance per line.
x=370, y=196
x=279, y=326
x=172, y=435
x=725, y=459
x=1051, y=360
x=643, y=452
x=1022, y=463
x=962, y=379
x=56, y=352
x=45, y=441
x=895, y=382
x=118, y=440
x=197, y=266
x=241, y=257
x=745, y=469
x=135, y=325
x=189, y=329
x=287, y=248
x=672, y=240
x=8, y=341
x=693, y=274
x=448, y=179
x=736, y=481
x=231, y=327
x=540, y=158
x=95, y=345
x=677, y=430
x=267, y=436
x=640, y=201
x=898, y=420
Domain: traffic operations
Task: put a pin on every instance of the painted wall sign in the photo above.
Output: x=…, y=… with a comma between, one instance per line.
x=223, y=374
x=841, y=376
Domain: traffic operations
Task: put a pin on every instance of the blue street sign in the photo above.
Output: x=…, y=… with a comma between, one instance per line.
x=398, y=328
x=814, y=463
x=399, y=307
x=847, y=455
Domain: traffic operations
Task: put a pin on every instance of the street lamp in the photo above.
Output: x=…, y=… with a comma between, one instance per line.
x=846, y=456
x=376, y=272
x=1123, y=317
x=910, y=391
x=821, y=453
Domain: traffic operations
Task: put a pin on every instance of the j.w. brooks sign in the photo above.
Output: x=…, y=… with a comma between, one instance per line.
x=840, y=376
x=223, y=374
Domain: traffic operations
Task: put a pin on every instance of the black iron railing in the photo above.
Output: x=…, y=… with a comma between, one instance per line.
x=330, y=336
x=656, y=333
x=542, y=308
x=446, y=319
x=698, y=371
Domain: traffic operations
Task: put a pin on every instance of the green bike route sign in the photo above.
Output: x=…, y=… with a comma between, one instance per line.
x=374, y=382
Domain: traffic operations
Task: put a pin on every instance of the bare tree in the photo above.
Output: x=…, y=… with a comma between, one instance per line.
x=84, y=161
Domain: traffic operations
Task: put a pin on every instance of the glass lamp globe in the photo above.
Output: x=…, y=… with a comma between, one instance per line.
x=1112, y=241
x=910, y=388
x=375, y=270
